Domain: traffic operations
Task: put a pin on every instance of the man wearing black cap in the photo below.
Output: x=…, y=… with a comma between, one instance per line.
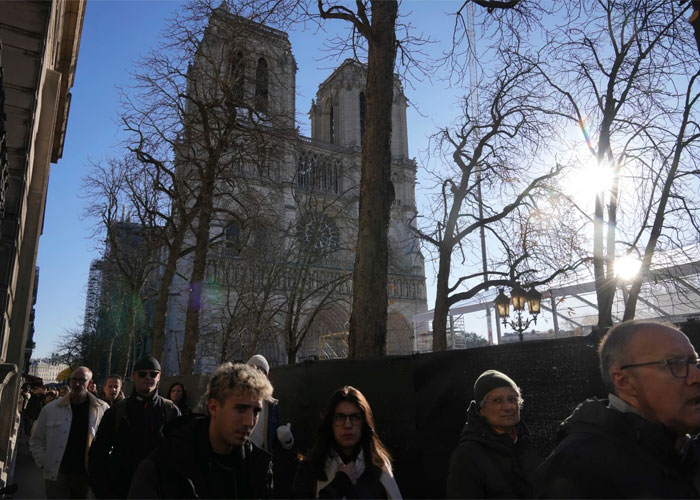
x=128, y=432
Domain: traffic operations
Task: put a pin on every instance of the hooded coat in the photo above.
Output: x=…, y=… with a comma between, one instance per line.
x=604, y=453
x=184, y=466
x=486, y=464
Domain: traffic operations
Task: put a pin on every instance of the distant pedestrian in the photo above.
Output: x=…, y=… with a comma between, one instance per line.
x=348, y=460
x=210, y=456
x=62, y=437
x=275, y=438
x=269, y=433
x=33, y=408
x=62, y=391
x=24, y=397
x=92, y=388
x=51, y=395
x=178, y=395
x=129, y=431
x=495, y=457
x=112, y=390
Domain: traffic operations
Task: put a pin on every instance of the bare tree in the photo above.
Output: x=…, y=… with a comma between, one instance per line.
x=317, y=270
x=118, y=194
x=77, y=346
x=369, y=296
x=193, y=115
x=679, y=166
x=488, y=190
x=374, y=27
x=617, y=67
x=276, y=276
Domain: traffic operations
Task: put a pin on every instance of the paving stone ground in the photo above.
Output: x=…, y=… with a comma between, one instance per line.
x=27, y=475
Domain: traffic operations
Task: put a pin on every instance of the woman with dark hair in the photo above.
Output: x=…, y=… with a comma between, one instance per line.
x=348, y=460
x=178, y=395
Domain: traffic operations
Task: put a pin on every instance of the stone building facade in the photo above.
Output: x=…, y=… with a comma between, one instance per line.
x=47, y=370
x=39, y=44
x=308, y=189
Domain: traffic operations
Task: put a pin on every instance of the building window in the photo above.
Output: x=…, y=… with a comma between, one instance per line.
x=331, y=124
x=237, y=77
x=261, y=86
x=318, y=173
x=232, y=239
x=362, y=116
x=319, y=232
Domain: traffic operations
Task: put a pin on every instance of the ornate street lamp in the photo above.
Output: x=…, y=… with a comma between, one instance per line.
x=502, y=304
x=519, y=297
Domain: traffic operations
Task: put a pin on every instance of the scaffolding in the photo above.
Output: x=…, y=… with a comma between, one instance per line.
x=333, y=345
x=670, y=293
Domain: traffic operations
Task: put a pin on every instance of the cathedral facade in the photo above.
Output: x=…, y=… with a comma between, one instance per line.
x=279, y=265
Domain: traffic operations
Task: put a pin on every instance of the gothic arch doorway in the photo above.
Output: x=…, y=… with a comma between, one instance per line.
x=328, y=336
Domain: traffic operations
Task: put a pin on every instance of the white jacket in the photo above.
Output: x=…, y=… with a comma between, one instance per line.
x=50, y=436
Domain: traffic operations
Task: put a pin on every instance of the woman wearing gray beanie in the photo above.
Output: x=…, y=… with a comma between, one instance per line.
x=494, y=457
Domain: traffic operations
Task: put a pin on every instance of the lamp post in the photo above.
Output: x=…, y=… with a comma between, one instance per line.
x=519, y=297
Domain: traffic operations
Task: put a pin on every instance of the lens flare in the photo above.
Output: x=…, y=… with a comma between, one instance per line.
x=627, y=267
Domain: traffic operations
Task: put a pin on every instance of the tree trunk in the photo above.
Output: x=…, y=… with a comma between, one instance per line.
x=604, y=286
x=126, y=343
x=292, y=346
x=194, y=299
x=161, y=309
x=442, y=304
x=367, y=335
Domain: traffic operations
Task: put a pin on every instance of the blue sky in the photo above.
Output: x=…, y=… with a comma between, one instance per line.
x=114, y=34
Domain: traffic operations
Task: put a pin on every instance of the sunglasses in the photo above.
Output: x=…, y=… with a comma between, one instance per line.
x=145, y=373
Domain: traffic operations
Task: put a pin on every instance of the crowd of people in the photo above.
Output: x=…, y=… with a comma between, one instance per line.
x=638, y=443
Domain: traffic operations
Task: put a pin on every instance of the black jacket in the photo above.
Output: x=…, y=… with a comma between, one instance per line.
x=128, y=432
x=604, y=453
x=184, y=466
x=367, y=485
x=490, y=465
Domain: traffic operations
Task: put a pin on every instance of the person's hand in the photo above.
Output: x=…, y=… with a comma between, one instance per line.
x=284, y=434
x=350, y=470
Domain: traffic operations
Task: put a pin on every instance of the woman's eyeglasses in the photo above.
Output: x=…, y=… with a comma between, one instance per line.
x=340, y=418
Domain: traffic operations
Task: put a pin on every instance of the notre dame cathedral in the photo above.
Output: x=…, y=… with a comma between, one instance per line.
x=279, y=265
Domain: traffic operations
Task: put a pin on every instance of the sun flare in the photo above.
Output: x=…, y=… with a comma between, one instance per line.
x=582, y=184
x=627, y=267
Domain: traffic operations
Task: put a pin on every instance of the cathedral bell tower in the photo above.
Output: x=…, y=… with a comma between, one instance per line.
x=338, y=113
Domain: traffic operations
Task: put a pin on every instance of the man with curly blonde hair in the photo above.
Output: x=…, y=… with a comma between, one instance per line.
x=210, y=456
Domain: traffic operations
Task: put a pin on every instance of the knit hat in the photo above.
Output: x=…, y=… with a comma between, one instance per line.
x=147, y=363
x=259, y=361
x=490, y=380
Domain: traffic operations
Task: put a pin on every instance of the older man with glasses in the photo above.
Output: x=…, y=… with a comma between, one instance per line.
x=637, y=444
x=64, y=431
x=129, y=431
